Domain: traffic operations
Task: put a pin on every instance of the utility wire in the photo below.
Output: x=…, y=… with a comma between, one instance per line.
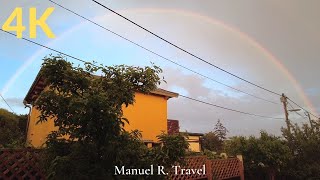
x=296, y=111
x=193, y=55
x=303, y=108
x=33, y=42
x=180, y=48
x=7, y=103
x=147, y=50
x=229, y=109
x=161, y=56
x=78, y=59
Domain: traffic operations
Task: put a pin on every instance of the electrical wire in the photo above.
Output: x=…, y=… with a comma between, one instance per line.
x=296, y=111
x=161, y=56
x=229, y=109
x=303, y=108
x=33, y=42
x=81, y=60
x=7, y=103
x=191, y=54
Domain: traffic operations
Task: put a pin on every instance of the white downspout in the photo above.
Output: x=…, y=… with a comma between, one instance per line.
x=28, y=121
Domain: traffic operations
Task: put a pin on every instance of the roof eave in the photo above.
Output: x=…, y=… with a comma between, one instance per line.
x=27, y=99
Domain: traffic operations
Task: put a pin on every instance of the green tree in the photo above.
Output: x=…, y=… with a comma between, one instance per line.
x=88, y=110
x=173, y=149
x=12, y=128
x=305, y=144
x=266, y=155
x=220, y=131
x=213, y=140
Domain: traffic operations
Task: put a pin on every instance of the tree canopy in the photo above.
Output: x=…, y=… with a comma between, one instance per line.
x=88, y=107
x=266, y=154
x=86, y=104
x=213, y=141
x=294, y=155
x=304, y=141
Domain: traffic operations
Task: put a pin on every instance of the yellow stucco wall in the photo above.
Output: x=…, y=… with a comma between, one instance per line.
x=148, y=114
x=194, y=143
x=37, y=133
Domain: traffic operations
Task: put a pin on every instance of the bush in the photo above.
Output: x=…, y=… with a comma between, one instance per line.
x=12, y=128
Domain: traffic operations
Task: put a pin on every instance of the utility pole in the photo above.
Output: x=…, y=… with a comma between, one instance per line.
x=283, y=99
x=308, y=114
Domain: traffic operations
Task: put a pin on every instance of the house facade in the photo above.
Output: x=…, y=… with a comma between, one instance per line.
x=192, y=138
x=148, y=114
x=194, y=141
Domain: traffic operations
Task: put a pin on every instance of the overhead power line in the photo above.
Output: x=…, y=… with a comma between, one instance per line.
x=7, y=103
x=193, y=55
x=182, y=49
x=161, y=56
x=150, y=52
x=33, y=42
x=81, y=60
x=303, y=108
x=229, y=109
x=296, y=111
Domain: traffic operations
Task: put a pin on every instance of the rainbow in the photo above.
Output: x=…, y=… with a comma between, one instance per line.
x=277, y=63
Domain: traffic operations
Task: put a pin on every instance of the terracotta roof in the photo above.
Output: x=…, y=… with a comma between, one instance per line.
x=38, y=86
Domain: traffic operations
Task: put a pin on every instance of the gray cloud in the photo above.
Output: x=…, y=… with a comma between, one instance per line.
x=15, y=102
x=288, y=29
x=198, y=117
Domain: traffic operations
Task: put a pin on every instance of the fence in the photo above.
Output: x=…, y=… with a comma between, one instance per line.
x=23, y=164
x=218, y=169
x=19, y=164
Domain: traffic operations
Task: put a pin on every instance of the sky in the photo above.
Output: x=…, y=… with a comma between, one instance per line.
x=275, y=44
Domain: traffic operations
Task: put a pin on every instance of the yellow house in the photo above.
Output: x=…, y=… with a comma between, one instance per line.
x=148, y=114
x=192, y=138
x=194, y=141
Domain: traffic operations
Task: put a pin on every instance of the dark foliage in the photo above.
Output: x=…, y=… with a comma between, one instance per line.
x=12, y=129
x=213, y=141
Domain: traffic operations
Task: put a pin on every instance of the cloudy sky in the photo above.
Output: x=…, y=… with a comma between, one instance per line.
x=275, y=44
